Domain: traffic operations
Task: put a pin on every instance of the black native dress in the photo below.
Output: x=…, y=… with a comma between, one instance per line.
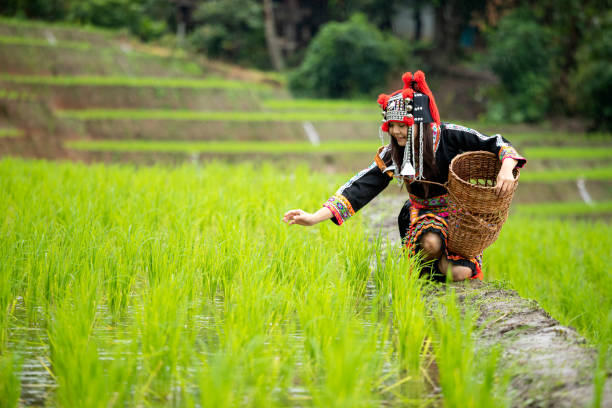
x=426, y=209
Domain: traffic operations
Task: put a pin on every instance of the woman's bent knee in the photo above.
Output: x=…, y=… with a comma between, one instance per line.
x=431, y=244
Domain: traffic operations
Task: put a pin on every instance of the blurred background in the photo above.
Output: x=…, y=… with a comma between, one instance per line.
x=290, y=81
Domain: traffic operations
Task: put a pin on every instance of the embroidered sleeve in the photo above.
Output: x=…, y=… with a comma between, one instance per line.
x=506, y=151
x=340, y=207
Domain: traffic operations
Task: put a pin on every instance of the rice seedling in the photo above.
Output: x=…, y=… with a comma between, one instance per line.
x=564, y=208
x=14, y=95
x=39, y=42
x=162, y=82
x=181, y=287
x=222, y=147
x=456, y=356
x=10, y=387
x=10, y=133
x=319, y=105
x=568, y=153
x=556, y=175
x=241, y=116
x=568, y=139
x=566, y=269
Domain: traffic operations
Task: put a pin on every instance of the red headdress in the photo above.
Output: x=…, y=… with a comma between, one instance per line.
x=414, y=103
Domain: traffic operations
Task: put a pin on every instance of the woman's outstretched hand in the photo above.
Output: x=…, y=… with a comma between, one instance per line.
x=298, y=217
x=307, y=219
x=505, y=178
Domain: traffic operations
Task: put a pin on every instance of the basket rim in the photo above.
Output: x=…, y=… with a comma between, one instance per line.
x=468, y=184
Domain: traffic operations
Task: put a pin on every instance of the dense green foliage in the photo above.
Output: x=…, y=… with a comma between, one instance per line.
x=232, y=30
x=144, y=18
x=552, y=58
x=521, y=55
x=593, y=82
x=347, y=59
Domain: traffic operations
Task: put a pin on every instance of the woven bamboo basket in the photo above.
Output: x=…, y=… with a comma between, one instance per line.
x=476, y=213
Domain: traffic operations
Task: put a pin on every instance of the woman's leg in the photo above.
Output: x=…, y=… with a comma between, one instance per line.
x=458, y=272
x=431, y=245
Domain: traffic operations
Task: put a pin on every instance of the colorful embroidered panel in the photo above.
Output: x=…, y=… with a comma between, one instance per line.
x=340, y=207
x=507, y=151
x=436, y=136
x=439, y=201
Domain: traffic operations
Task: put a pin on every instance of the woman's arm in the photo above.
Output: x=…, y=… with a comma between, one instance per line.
x=307, y=219
x=459, y=139
x=349, y=199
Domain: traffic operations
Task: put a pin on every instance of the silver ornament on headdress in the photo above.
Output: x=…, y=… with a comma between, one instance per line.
x=408, y=160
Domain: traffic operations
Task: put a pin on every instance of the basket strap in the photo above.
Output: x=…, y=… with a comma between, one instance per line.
x=445, y=185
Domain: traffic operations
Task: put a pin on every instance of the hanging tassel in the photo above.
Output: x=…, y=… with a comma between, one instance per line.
x=407, y=167
x=420, y=176
x=381, y=135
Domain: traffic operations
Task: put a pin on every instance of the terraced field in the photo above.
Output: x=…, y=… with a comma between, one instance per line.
x=94, y=95
x=186, y=299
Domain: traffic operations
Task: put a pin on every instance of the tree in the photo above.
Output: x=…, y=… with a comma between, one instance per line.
x=347, y=59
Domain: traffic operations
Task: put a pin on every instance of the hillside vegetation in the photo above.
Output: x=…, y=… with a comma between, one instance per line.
x=98, y=95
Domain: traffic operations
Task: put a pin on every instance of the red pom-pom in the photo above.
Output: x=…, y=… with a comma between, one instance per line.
x=385, y=127
x=383, y=99
x=408, y=93
x=408, y=121
x=407, y=78
x=419, y=78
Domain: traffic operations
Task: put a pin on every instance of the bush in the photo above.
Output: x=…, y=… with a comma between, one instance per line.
x=39, y=9
x=347, y=59
x=593, y=78
x=231, y=30
x=520, y=54
x=117, y=14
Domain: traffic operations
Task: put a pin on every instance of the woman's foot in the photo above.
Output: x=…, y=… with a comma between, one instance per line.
x=458, y=272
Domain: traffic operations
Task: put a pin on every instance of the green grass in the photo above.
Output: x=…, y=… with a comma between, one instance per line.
x=320, y=104
x=565, y=208
x=563, y=264
x=222, y=147
x=19, y=22
x=10, y=132
x=206, y=83
x=14, y=95
x=567, y=153
x=241, y=116
x=562, y=137
x=40, y=42
x=555, y=175
x=182, y=287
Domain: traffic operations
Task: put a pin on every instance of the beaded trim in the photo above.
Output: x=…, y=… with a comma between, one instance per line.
x=340, y=207
x=436, y=136
x=506, y=152
x=439, y=201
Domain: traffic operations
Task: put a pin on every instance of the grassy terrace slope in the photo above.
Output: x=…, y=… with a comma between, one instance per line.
x=88, y=94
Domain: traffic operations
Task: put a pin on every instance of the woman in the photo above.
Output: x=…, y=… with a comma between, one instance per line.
x=421, y=148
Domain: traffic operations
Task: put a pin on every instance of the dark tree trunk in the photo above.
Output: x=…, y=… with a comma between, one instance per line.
x=271, y=39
